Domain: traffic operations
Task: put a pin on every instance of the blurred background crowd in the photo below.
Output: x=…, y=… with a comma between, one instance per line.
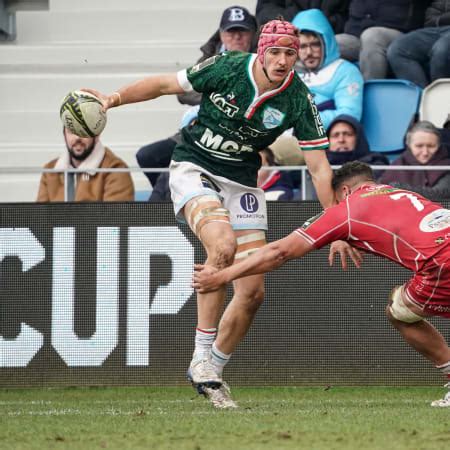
x=379, y=72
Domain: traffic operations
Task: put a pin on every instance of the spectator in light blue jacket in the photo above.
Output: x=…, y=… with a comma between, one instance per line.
x=337, y=85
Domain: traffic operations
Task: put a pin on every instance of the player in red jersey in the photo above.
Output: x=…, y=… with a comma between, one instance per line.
x=393, y=223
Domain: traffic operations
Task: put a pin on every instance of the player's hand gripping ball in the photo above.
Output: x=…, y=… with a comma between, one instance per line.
x=82, y=114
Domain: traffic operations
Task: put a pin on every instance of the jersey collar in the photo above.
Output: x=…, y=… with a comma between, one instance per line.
x=258, y=100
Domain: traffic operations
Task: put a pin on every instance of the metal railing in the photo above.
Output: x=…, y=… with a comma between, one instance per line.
x=69, y=173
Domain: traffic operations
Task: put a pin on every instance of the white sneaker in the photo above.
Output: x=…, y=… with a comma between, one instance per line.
x=202, y=372
x=444, y=402
x=220, y=397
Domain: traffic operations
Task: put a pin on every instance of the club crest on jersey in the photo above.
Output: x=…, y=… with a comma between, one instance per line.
x=272, y=118
x=224, y=103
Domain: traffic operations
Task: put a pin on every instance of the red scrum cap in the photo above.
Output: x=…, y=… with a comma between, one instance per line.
x=277, y=33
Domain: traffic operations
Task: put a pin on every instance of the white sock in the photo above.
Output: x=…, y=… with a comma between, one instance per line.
x=204, y=339
x=219, y=359
x=445, y=369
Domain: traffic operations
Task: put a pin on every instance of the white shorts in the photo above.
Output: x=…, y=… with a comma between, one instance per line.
x=247, y=205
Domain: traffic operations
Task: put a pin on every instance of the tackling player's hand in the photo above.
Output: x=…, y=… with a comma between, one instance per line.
x=344, y=249
x=205, y=278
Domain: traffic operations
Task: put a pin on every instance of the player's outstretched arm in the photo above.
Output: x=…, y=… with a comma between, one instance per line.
x=267, y=258
x=140, y=91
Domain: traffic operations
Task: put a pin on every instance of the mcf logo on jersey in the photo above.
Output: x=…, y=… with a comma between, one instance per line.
x=272, y=118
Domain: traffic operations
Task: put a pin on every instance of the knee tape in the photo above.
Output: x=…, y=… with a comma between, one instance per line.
x=249, y=243
x=399, y=310
x=206, y=209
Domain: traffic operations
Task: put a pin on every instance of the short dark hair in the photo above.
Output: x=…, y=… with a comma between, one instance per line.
x=270, y=156
x=352, y=169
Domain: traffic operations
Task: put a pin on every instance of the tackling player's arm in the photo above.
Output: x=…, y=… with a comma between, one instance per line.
x=267, y=258
x=328, y=226
x=141, y=90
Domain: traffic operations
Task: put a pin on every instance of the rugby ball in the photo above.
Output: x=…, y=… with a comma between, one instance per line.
x=82, y=114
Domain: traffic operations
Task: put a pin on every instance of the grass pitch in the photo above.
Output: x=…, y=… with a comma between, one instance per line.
x=268, y=418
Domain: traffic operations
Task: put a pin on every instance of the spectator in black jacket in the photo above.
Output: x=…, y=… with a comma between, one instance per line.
x=348, y=142
x=423, y=55
x=372, y=26
x=158, y=155
x=270, y=9
x=336, y=11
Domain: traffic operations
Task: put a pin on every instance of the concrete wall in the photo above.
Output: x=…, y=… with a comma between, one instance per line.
x=63, y=45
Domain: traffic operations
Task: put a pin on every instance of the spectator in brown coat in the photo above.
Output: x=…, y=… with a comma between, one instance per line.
x=89, y=186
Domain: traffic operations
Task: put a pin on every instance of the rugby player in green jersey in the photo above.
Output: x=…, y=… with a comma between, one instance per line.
x=248, y=100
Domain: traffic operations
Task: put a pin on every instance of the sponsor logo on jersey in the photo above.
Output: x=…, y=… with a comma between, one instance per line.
x=379, y=191
x=224, y=103
x=272, y=118
x=207, y=62
x=253, y=132
x=311, y=220
x=211, y=141
x=435, y=221
x=438, y=308
x=249, y=203
x=317, y=119
x=243, y=131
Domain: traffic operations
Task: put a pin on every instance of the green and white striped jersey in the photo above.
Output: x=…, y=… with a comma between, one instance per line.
x=235, y=122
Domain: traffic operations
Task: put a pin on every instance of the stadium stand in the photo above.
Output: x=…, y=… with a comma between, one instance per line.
x=435, y=102
x=63, y=45
x=7, y=23
x=389, y=107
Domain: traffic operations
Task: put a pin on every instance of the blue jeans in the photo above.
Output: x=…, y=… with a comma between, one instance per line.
x=421, y=56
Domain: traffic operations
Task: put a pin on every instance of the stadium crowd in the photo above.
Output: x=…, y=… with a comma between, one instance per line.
x=342, y=45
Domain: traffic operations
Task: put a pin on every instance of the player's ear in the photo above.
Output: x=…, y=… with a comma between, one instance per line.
x=347, y=190
x=343, y=192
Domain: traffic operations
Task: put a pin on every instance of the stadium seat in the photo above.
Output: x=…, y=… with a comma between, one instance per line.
x=142, y=196
x=435, y=102
x=389, y=107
